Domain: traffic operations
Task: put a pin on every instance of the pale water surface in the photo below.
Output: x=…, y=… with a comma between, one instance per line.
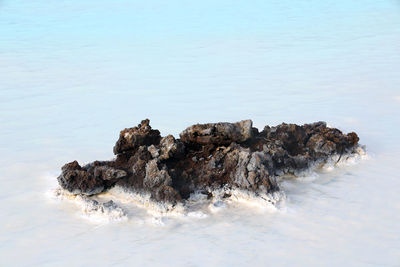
x=73, y=73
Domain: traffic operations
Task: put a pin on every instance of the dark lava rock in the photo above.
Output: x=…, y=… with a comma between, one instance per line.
x=132, y=138
x=206, y=157
x=90, y=179
x=222, y=133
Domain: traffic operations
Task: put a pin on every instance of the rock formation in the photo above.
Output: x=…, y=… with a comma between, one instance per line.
x=207, y=157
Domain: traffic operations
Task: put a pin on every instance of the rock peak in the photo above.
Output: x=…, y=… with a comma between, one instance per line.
x=132, y=138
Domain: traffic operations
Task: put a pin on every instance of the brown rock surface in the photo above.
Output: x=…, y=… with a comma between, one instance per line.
x=222, y=133
x=206, y=157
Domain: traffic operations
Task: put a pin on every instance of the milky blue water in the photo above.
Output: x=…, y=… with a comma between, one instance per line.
x=74, y=73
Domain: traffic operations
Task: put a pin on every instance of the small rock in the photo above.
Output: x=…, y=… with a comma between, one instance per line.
x=155, y=176
x=78, y=181
x=170, y=147
x=153, y=151
x=108, y=173
x=132, y=138
x=218, y=133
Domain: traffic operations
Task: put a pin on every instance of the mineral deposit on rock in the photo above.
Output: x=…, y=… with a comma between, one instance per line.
x=207, y=157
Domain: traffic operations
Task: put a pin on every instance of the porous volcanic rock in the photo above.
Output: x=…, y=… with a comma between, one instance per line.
x=222, y=133
x=207, y=157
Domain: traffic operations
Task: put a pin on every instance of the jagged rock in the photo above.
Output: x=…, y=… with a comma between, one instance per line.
x=132, y=138
x=156, y=176
x=108, y=173
x=78, y=181
x=222, y=133
x=206, y=157
x=170, y=147
x=155, y=152
x=90, y=179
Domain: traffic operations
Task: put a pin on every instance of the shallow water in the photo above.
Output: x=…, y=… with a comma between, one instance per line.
x=74, y=73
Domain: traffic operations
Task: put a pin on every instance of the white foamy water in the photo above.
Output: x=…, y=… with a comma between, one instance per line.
x=74, y=73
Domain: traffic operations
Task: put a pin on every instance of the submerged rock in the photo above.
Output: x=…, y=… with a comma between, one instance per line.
x=207, y=157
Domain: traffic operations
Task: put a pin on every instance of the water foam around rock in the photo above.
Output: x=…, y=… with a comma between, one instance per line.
x=107, y=207
x=211, y=166
x=91, y=209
